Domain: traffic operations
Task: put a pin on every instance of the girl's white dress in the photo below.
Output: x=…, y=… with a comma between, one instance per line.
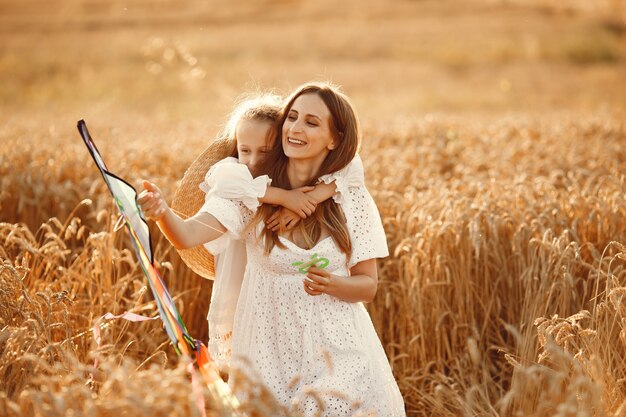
x=301, y=346
x=228, y=179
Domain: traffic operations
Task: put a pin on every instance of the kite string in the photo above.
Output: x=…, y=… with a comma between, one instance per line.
x=120, y=223
x=182, y=215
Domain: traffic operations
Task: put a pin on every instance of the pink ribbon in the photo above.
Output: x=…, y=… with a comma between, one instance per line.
x=197, y=388
x=195, y=381
x=108, y=316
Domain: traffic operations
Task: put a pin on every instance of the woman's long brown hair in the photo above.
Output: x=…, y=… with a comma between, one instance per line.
x=344, y=127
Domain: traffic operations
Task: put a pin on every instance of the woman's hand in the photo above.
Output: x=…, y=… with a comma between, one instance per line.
x=319, y=281
x=298, y=201
x=359, y=286
x=152, y=204
x=283, y=219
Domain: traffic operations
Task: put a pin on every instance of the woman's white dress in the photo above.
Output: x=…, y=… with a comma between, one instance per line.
x=232, y=180
x=296, y=343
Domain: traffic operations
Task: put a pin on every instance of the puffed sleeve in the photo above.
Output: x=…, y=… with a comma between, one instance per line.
x=231, y=214
x=365, y=226
x=231, y=180
x=350, y=176
x=204, y=185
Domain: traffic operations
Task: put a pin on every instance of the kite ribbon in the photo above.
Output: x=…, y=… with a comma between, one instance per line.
x=125, y=197
x=108, y=316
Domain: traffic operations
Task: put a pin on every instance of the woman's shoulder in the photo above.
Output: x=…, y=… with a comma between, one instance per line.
x=365, y=226
x=358, y=199
x=360, y=210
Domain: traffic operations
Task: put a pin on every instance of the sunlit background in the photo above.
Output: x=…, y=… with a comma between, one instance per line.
x=494, y=145
x=172, y=61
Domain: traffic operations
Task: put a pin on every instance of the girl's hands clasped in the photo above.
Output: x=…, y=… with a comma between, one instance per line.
x=283, y=219
x=151, y=201
x=297, y=205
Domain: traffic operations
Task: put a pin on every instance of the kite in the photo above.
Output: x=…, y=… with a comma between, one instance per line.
x=125, y=197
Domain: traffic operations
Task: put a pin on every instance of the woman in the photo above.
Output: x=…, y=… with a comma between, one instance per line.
x=309, y=333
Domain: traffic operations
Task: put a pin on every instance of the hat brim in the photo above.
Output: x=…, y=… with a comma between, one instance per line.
x=189, y=198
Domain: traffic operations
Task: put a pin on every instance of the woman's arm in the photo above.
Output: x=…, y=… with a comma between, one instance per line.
x=182, y=234
x=360, y=286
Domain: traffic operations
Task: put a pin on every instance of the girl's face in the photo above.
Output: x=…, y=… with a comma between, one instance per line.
x=306, y=131
x=252, y=142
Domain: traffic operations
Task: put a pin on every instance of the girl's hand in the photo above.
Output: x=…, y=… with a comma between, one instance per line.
x=318, y=281
x=283, y=219
x=298, y=201
x=152, y=204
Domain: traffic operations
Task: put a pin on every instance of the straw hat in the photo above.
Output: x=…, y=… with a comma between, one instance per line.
x=189, y=198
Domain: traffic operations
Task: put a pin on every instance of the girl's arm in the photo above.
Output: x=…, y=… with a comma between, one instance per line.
x=288, y=198
x=232, y=180
x=288, y=218
x=360, y=286
x=322, y=192
x=182, y=234
x=334, y=185
x=297, y=200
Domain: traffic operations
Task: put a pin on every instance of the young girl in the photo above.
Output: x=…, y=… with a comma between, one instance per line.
x=250, y=132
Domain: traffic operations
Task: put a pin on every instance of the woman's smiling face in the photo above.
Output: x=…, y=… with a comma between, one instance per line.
x=306, y=132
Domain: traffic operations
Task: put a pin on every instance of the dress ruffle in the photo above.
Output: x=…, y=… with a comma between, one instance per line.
x=230, y=179
x=350, y=176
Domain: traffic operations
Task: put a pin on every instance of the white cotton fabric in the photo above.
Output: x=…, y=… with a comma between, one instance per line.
x=351, y=175
x=230, y=179
x=283, y=335
x=230, y=265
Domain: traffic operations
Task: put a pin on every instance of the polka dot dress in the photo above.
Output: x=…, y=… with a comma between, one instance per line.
x=303, y=347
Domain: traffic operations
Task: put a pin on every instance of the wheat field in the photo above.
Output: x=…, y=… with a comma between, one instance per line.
x=497, y=164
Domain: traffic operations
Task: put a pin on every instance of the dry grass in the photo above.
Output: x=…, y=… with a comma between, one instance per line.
x=181, y=62
x=503, y=294
x=494, y=147
x=505, y=264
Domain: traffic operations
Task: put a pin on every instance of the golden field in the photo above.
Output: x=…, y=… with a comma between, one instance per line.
x=494, y=145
